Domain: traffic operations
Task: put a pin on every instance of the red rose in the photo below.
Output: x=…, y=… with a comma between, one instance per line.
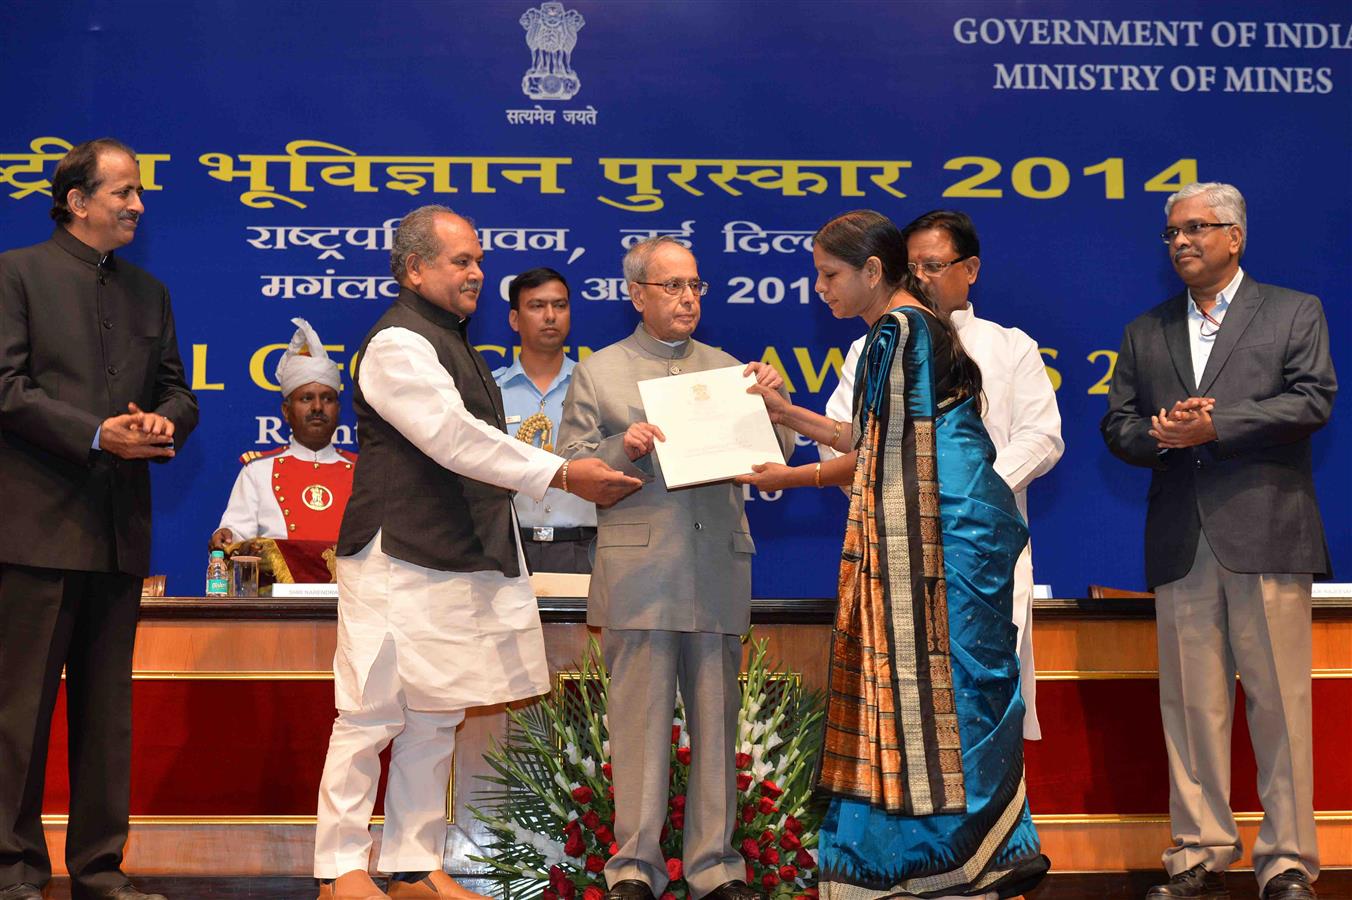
x=751, y=849
x=787, y=873
x=769, y=880
x=593, y=893
x=614, y=848
x=750, y=875
x=555, y=876
x=683, y=755
x=811, y=892
x=743, y=780
x=793, y=825
x=594, y=864
x=567, y=889
x=550, y=894
x=748, y=813
x=572, y=828
x=790, y=841
x=610, y=791
x=770, y=789
x=803, y=859
x=743, y=760
x=675, y=734
x=667, y=895
x=767, y=837
x=591, y=819
x=678, y=819
x=574, y=845
x=604, y=835
x=674, y=869
x=606, y=770
x=767, y=806
x=582, y=794
x=678, y=802
x=770, y=856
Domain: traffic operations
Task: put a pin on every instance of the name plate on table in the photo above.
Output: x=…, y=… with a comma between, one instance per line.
x=1331, y=589
x=294, y=591
x=714, y=429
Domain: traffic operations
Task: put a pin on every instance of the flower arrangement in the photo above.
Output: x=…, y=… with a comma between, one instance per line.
x=552, y=811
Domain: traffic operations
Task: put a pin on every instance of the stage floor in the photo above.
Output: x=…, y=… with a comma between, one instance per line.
x=1333, y=884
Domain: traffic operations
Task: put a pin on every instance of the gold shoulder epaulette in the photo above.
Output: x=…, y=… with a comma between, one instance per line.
x=249, y=456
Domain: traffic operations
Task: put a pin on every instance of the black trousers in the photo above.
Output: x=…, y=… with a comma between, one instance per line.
x=559, y=556
x=86, y=622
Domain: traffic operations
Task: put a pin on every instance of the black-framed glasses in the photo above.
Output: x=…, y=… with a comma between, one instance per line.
x=935, y=268
x=674, y=287
x=1192, y=230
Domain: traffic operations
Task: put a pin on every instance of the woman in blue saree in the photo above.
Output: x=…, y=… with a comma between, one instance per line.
x=922, y=764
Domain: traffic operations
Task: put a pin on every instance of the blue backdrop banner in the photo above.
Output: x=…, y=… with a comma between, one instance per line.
x=281, y=142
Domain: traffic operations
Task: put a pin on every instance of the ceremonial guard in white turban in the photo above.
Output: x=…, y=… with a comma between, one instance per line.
x=297, y=492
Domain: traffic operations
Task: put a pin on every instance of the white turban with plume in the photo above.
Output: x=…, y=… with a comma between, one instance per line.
x=305, y=361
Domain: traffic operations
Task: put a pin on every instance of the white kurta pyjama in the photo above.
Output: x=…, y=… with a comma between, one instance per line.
x=461, y=639
x=1020, y=414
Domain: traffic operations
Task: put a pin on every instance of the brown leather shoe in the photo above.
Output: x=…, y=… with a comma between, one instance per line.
x=734, y=890
x=1293, y=884
x=1194, y=884
x=354, y=885
x=436, y=886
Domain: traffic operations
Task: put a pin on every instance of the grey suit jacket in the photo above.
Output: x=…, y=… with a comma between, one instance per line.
x=1252, y=489
x=665, y=560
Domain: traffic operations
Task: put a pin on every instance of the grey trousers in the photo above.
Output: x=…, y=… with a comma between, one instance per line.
x=1211, y=624
x=645, y=669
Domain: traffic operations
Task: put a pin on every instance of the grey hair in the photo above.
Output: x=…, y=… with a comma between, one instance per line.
x=637, y=258
x=417, y=237
x=1224, y=199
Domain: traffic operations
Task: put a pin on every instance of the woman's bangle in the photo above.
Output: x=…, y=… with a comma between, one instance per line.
x=834, y=435
x=817, y=475
x=564, y=474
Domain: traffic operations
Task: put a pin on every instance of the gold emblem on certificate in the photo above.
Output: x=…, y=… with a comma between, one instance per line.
x=700, y=391
x=317, y=497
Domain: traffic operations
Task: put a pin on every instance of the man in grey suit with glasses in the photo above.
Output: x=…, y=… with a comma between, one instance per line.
x=1218, y=390
x=671, y=590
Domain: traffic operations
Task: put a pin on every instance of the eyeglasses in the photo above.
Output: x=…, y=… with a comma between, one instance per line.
x=1192, y=230
x=934, y=268
x=674, y=287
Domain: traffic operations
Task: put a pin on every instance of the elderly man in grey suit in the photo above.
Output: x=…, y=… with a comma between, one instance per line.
x=671, y=590
x=1218, y=390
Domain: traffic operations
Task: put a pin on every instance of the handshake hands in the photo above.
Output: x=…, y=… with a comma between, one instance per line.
x=1188, y=424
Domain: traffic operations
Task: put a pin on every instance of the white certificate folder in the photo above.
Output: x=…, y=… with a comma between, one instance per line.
x=714, y=429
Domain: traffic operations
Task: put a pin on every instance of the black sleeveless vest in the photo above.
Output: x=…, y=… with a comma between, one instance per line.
x=429, y=515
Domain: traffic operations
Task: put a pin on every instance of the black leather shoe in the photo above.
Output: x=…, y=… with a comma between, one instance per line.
x=630, y=889
x=1292, y=884
x=734, y=890
x=125, y=892
x=21, y=891
x=1195, y=884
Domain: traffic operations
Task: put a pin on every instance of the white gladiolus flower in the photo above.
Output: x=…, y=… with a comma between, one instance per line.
x=562, y=782
x=589, y=767
x=571, y=753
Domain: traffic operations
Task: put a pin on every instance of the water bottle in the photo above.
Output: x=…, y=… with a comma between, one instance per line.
x=218, y=575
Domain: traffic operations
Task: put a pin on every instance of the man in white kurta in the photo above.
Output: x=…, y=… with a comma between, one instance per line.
x=1018, y=401
x=435, y=610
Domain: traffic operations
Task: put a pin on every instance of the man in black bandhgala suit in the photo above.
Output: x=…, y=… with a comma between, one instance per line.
x=91, y=390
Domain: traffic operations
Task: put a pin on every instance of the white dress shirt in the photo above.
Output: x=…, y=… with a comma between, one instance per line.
x=253, y=511
x=1201, y=333
x=1020, y=413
